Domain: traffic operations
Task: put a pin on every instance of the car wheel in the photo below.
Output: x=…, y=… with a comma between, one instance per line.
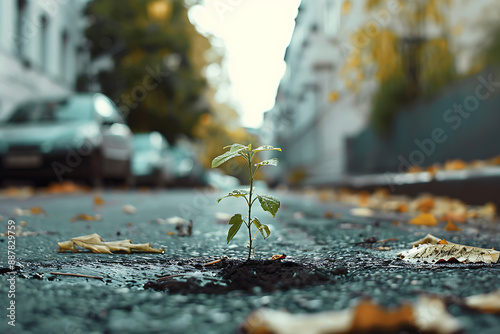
x=95, y=171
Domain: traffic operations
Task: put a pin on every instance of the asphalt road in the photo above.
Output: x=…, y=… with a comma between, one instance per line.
x=47, y=303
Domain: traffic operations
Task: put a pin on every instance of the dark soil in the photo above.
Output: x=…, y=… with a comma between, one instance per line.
x=266, y=275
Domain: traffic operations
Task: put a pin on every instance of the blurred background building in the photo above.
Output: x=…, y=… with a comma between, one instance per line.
x=365, y=79
x=42, y=49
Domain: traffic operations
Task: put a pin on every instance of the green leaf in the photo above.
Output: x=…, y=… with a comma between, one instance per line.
x=236, y=222
x=264, y=229
x=266, y=148
x=271, y=162
x=235, y=193
x=234, y=145
x=233, y=152
x=269, y=203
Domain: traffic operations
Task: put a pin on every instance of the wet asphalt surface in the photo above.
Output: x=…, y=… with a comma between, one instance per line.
x=46, y=303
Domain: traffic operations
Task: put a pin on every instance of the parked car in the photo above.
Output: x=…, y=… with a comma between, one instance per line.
x=80, y=136
x=150, y=162
x=184, y=166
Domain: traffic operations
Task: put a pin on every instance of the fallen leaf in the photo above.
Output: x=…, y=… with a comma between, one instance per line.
x=426, y=315
x=36, y=210
x=486, y=302
x=85, y=217
x=95, y=244
x=278, y=257
x=425, y=219
x=442, y=242
x=98, y=200
x=428, y=239
x=364, y=198
x=382, y=248
x=456, y=217
x=425, y=204
x=329, y=215
x=455, y=165
x=451, y=227
x=129, y=209
x=430, y=253
x=403, y=208
x=170, y=233
x=361, y=212
x=222, y=217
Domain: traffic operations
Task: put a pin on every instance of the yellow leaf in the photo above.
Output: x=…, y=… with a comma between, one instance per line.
x=98, y=200
x=451, y=227
x=425, y=219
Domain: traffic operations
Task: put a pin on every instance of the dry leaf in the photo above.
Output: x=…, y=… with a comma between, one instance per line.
x=486, y=303
x=361, y=212
x=451, y=227
x=425, y=204
x=85, y=217
x=456, y=217
x=95, y=244
x=129, y=209
x=433, y=253
x=98, y=200
x=403, y=208
x=425, y=219
x=278, y=257
x=36, y=210
x=428, y=239
x=426, y=315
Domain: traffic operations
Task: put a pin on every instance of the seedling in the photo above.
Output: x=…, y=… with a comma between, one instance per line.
x=268, y=203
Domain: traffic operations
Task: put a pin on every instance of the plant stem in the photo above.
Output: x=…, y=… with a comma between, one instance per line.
x=250, y=206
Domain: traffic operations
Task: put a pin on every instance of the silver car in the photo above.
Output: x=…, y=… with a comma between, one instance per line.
x=81, y=136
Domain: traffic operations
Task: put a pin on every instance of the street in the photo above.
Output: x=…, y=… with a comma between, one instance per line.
x=49, y=303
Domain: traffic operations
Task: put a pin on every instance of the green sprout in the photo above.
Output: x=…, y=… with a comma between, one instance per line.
x=268, y=203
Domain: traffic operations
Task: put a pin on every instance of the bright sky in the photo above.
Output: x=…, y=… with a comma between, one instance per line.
x=255, y=34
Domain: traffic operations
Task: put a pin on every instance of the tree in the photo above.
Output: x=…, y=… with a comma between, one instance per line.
x=405, y=59
x=157, y=55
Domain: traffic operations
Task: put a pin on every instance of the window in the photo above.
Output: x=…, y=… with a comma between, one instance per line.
x=64, y=55
x=20, y=18
x=44, y=40
x=332, y=17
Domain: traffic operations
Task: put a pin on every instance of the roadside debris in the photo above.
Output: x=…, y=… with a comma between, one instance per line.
x=86, y=217
x=77, y=275
x=486, y=302
x=129, y=209
x=426, y=315
x=95, y=244
x=442, y=251
x=426, y=219
x=36, y=210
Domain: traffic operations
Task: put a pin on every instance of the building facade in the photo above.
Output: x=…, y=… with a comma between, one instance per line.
x=316, y=110
x=42, y=49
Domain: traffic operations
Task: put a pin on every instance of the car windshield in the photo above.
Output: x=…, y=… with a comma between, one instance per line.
x=62, y=110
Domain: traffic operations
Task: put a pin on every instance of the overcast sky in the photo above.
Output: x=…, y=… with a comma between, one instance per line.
x=255, y=34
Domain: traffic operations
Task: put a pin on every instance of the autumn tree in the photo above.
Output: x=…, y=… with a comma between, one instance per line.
x=409, y=57
x=157, y=55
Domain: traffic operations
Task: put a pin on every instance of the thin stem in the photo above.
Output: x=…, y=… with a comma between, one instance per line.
x=250, y=206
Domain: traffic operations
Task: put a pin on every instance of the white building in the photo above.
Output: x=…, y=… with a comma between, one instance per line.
x=315, y=111
x=42, y=49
